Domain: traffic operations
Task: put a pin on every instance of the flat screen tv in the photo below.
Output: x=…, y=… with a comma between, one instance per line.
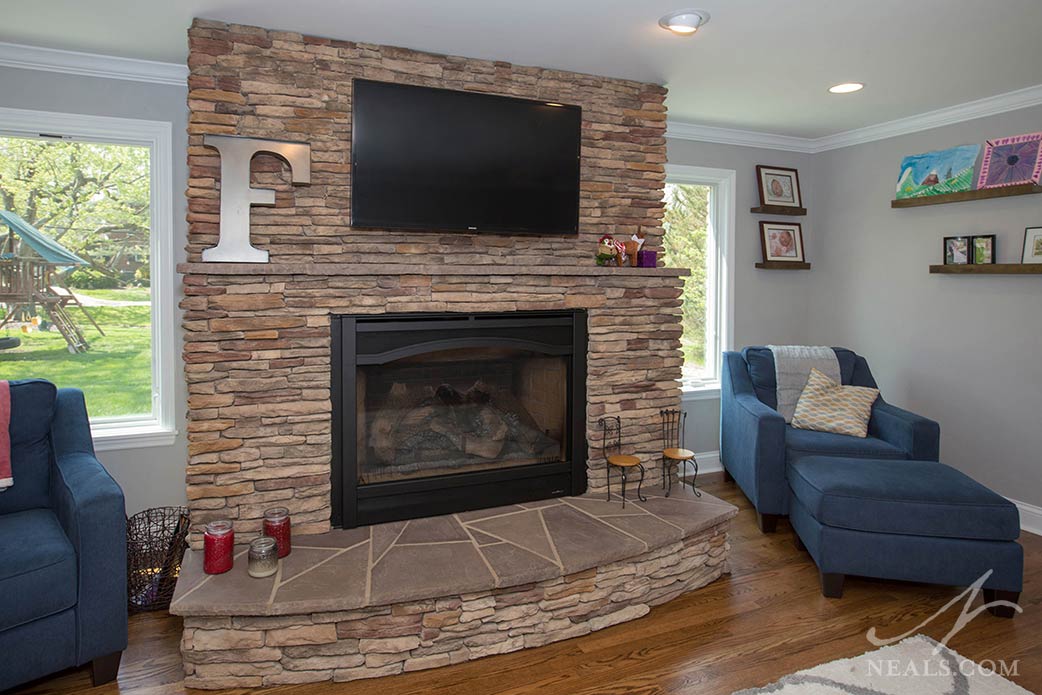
x=439, y=159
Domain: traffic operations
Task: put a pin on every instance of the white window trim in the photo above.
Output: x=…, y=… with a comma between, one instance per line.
x=159, y=429
x=721, y=273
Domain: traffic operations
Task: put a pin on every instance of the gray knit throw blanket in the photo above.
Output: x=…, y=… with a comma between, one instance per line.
x=792, y=365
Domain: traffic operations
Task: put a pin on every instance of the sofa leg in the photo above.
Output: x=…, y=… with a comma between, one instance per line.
x=768, y=523
x=832, y=585
x=728, y=478
x=992, y=595
x=105, y=668
x=798, y=542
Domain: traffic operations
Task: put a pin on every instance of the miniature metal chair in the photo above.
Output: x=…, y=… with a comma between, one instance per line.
x=611, y=445
x=673, y=426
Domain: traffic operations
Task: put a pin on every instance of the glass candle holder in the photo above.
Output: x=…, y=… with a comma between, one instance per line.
x=263, y=557
x=218, y=546
x=276, y=525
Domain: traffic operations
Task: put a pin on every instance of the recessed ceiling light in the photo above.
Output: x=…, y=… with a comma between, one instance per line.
x=846, y=88
x=684, y=22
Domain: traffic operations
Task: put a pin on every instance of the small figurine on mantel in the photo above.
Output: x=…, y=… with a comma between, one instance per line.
x=633, y=247
x=609, y=251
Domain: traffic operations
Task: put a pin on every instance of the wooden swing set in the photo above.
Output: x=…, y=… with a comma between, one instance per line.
x=28, y=282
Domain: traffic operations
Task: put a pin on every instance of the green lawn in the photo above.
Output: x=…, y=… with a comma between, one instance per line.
x=115, y=374
x=127, y=294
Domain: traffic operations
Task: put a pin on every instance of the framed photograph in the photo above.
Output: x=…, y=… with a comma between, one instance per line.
x=779, y=186
x=1032, y=245
x=983, y=249
x=1011, y=161
x=782, y=241
x=956, y=250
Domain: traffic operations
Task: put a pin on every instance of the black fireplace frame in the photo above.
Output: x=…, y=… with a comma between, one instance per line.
x=549, y=332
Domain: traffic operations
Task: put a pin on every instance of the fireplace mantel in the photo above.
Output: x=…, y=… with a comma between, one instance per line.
x=391, y=268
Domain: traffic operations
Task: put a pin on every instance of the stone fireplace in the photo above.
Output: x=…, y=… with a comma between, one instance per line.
x=259, y=337
x=438, y=413
x=361, y=373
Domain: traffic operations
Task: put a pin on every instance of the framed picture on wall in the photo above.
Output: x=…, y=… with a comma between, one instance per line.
x=956, y=250
x=779, y=186
x=1032, y=245
x=781, y=241
x=1011, y=161
x=983, y=249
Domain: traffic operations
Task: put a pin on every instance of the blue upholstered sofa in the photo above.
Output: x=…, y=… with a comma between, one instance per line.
x=63, y=567
x=756, y=444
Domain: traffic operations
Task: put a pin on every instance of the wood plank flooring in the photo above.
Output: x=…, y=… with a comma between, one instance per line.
x=766, y=620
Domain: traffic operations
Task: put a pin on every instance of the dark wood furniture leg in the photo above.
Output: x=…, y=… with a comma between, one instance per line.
x=728, y=478
x=798, y=542
x=768, y=523
x=991, y=595
x=104, y=669
x=832, y=585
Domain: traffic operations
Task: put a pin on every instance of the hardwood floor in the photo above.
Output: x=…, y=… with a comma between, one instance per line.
x=766, y=620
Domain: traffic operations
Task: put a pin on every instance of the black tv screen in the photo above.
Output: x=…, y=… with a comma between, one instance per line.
x=438, y=159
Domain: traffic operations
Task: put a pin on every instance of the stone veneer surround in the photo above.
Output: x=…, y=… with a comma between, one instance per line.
x=256, y=349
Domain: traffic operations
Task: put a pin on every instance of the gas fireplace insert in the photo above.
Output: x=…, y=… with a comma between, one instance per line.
x=439, y=413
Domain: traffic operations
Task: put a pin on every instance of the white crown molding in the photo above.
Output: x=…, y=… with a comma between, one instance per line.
x=731, y=136
x=112, y=67
x=13, y=55
x=980, y=108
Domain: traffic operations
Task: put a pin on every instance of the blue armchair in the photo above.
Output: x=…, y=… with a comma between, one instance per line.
x=63, y=567
x=756, y=445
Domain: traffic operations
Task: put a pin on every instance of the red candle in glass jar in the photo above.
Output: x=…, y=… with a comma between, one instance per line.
x=276, y=525
x=218, y=546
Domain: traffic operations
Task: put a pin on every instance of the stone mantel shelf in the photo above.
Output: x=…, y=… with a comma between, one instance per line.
x=340, y=269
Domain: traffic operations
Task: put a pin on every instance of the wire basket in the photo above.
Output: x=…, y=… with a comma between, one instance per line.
x=155, y=546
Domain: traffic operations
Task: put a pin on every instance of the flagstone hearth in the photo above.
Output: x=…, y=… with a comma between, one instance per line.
x=377, y=600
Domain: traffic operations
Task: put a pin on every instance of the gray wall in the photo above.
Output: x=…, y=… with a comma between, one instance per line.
x=962, y=350
x=154, y=476
x=769, y=305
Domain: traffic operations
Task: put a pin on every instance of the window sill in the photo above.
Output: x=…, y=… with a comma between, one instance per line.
x=112, y=437
x=709, y=392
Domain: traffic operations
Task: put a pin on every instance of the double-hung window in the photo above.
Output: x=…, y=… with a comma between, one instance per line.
x=699, y=226
x=86, y=266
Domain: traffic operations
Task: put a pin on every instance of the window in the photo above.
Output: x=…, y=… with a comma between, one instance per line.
x=86, y=287
x=699, y=224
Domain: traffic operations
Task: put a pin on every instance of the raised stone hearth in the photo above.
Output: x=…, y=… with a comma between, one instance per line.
x=417, y=594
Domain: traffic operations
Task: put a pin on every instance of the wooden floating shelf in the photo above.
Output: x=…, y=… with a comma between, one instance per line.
x=982, y=194
x=778, y=210
x=989, y=269
x=785, y=265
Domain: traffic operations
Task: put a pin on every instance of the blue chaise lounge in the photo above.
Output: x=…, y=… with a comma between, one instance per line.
x=756, y=444
x=880, y=506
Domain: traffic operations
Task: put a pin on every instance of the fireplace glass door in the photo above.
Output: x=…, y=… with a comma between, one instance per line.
x=460, y=411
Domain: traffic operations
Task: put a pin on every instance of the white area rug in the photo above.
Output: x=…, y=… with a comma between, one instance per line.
x=909, y=667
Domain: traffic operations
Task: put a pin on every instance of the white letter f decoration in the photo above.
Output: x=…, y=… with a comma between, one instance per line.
x=237, y=196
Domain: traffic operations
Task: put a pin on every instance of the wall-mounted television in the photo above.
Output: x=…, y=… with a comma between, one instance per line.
x=438, y=159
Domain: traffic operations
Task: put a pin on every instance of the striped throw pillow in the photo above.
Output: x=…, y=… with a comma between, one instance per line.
x=825, y=406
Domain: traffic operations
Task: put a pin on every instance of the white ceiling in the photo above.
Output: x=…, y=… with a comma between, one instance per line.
x=759, y=65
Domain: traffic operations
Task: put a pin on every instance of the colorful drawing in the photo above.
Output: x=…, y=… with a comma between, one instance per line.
x=1011, y=161
x=934, y=173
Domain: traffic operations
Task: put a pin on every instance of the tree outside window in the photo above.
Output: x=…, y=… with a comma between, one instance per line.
x=685, y=246
x=92, y=200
